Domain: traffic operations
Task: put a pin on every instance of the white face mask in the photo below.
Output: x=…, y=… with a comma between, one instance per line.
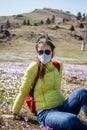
x=44, y=58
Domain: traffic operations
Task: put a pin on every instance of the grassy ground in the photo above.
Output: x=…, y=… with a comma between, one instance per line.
x=16, y=54
x=11, y=77
x=68, y=49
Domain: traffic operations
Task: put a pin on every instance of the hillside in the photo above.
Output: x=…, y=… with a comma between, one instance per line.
x=68, y=43
x=43, y=14
x=38, y=15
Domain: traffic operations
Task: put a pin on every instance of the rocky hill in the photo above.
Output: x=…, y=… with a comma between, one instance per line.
x=38, y=15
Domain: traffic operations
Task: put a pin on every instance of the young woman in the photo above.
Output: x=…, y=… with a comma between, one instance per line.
x=52, y=108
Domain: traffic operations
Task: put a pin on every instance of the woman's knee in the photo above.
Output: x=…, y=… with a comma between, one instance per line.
x=67, y=121
x=79, y=93
x=72, y=123
x=81, y=90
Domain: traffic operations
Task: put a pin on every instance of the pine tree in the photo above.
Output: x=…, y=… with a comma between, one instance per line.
x=81, y=25
x=48, y=21
x=79, y=16
x=24, y=22
x=42, y=22
x=28, y=22
x=53, y=19
x=1, y=28
x=72, y=29
x=7, y=24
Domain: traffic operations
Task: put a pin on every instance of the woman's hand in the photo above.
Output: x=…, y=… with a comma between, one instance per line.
x=18, y=117
x=14, y=117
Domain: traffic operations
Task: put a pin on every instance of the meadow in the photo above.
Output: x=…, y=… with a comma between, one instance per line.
x=15, y=56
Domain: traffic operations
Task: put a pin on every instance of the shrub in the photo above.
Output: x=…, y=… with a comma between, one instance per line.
x=72, y=28
x=81, y=25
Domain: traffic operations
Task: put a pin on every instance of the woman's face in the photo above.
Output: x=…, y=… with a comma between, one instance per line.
x=44, y=53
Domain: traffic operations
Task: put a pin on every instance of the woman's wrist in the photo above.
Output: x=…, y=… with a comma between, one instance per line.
x=18, y=117
x=14, y=116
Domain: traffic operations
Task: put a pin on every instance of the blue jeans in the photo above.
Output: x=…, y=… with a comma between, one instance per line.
x=65, y=117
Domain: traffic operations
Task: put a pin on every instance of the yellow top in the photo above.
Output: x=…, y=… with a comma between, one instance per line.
x=47, y=93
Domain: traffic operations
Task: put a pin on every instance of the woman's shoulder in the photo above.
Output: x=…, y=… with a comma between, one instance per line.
x=58, y=64
x=33, y=63
x=32, y=66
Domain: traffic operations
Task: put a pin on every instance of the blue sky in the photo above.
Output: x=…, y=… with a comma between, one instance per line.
x=14, y=7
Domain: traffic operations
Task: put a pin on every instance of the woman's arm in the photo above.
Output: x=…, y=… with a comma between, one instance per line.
x=27, y=84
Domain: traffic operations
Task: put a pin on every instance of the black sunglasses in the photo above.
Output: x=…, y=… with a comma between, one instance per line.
x=47, y=52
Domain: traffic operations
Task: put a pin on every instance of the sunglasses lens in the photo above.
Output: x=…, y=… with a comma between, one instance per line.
x=47, y=52
x=40, y=52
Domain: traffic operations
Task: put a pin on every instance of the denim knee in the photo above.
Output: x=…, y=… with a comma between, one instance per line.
x=83, y=98
x=76, y=101
x=63, y=121
x=81, y=90
x=72, y=123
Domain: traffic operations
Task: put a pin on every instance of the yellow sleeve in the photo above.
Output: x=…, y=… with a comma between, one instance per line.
x=28, y=81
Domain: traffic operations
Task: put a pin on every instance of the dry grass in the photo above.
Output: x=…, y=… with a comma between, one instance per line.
x=67, y=47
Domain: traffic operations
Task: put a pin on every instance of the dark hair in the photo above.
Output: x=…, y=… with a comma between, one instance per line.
x=43, y=39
